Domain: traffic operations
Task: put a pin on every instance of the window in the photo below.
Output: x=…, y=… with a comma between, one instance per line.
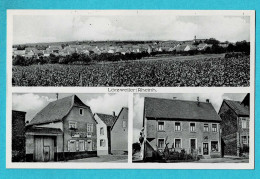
x=177, y=143
x=244, y=139
x=102, y=131
x=206, y=128
x=192, y=127
x=81, y=111
x=177, y=126
x=214, y=146
x=81, y=145
x=124, y=124
x=243, y=120
x=160, y=126
x=160, y=143
x=72, y=125
x=72, y=146
x=102, y=143
x=90, y=127
x=214, y=127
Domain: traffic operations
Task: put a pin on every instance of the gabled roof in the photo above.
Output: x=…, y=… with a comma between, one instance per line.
x=179, y=109
x=201, y=45
x=107, y=119
x=55, y=111
x=126, y=108
x=237, y=107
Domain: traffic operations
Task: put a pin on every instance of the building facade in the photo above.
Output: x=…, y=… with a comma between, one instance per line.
x=235, y=117
x=64, y=129
x=182, y=125
x=104, y=124
x=119, y=133
x=18, y=136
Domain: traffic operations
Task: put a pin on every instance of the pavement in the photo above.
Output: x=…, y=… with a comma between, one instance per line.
x=104, y=159
x=226, y=159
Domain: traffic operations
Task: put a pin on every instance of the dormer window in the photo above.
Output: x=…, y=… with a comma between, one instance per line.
x=72, y=125
x=81, y=111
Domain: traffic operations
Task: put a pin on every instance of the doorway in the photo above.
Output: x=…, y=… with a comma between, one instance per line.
x=193, y=145
x=205, y=148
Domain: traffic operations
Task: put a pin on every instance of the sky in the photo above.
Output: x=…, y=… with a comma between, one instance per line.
x=157, y=26
x=214, y=98
x=101, y=103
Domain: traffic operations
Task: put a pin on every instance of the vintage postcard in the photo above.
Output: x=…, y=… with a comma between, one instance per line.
x=192, y=128
x=131, y=48
x=137, y=89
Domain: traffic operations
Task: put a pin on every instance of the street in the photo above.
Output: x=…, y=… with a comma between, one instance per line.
x=226, y=159
x=104, y=158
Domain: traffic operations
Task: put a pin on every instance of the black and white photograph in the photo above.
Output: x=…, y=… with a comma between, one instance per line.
x=191, y=127
x=131, y=48
x=59, y=127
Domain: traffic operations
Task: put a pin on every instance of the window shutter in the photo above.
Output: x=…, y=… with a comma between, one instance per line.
x=68, y=145
x=77, y=145
x=86, y=143
x=104, y=143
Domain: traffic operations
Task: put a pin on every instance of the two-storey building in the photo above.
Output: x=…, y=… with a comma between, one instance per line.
x=189, y=125
x=104, y=124
x=64, y=129
x=235, y=117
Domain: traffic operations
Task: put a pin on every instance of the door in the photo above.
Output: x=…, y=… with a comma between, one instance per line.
x=46, y=153
x=48, y=149
x=89, y=145
x=205, y=148
x=193, y=145
x=38, y=149
x=43, y=149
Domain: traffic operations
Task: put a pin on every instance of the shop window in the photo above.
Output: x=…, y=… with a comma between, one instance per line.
x=214, y=146
x=81, y=145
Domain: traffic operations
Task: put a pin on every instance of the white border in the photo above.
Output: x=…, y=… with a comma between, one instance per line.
x=10, y=90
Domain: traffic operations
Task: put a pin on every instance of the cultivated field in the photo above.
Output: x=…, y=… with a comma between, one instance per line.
x=200, y=70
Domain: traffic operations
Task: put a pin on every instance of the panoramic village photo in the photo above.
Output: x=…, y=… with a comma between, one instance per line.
x=189, y=127
x=59, y=127
x=131, y=48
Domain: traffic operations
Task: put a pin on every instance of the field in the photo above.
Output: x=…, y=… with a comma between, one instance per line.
x=200, y=70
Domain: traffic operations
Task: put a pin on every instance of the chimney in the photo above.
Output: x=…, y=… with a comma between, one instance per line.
x=114, y=114
x=198, y=101
x=207, y=100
